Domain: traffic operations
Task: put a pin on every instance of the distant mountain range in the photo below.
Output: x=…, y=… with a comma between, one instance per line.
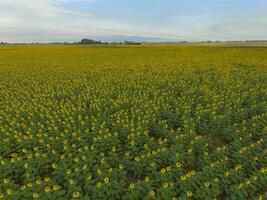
x=122, y=38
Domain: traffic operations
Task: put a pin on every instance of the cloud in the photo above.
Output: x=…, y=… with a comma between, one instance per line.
x=29, y=9
x=50, y=20
x=247, y=28
x=21, y=17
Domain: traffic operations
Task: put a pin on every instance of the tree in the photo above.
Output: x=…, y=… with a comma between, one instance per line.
x=89, y=41
x=132, y=43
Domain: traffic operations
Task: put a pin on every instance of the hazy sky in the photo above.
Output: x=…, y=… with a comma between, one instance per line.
x=71, y=20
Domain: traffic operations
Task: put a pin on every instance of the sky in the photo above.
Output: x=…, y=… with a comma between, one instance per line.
x=179, y=20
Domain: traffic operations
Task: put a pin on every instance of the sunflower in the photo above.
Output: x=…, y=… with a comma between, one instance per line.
x=56, y=187
x=152, y=193
x=207, y=184
x=99, y=171
x=227, y=173
x=215, y=179
x=23, y=187
x=188, y=174
x=75, y=194
x=137, y=159
x=54, y=166
x=85, y=166
x=98, y=185
x=193, y=172
x=132, y=185
x=165, y=185
x=9, y=191
x=106, y=179
x=183, y=178
x=72, y=181
x=178, y=164
x=189, y=194
x=35, y=195
x=6, y=181
x=47, y=189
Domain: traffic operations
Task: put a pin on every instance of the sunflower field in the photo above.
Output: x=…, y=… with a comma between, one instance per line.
x=133, y=122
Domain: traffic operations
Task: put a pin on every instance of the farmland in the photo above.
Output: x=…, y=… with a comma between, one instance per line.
x=133, y=122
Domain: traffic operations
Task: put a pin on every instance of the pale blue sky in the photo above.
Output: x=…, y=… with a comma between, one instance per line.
x=71, y=20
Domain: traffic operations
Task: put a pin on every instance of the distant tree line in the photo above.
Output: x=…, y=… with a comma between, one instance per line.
x=89, y=41
x=94, y=42
x=82, y=42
